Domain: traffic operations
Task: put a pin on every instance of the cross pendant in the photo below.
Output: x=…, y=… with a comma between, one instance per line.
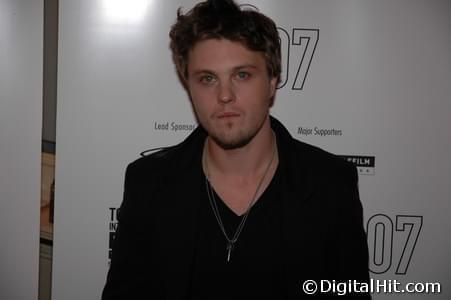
x=229, y=250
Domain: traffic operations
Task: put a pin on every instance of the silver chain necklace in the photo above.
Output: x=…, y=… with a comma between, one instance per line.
x=211, y=197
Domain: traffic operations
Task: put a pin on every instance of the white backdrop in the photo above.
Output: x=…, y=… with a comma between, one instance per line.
x=21, y=32
x=368, y=80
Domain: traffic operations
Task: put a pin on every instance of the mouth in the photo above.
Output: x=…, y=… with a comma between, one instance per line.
x=228, y=115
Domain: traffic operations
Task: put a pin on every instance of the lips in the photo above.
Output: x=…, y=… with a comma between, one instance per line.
x=226, y=115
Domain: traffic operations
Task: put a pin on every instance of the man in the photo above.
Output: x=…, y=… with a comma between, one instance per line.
x=240, y=209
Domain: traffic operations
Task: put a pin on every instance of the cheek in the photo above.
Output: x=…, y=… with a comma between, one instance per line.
x=200, y=94
x=258, y=97
x=196, y=96
x=201, y=104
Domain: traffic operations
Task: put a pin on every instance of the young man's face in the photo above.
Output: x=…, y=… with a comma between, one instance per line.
x=230, y=89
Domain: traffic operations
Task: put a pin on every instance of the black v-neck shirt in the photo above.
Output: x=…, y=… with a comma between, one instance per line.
x=255, y=269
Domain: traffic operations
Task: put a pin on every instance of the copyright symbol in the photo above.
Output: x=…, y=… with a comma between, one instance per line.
x=309, y=287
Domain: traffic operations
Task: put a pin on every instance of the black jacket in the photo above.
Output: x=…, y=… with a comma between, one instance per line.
x=323, y=234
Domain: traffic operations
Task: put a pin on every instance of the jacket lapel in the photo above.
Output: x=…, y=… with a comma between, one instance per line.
x=297, y=193
x=182, y=185
x=180, y=238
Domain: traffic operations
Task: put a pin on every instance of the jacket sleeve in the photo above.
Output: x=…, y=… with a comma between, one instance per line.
x=134, y=271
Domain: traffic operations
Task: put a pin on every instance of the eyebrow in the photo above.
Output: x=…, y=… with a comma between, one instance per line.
x=207, y=71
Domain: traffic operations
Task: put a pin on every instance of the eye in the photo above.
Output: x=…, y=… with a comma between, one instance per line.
x=242, y=75
x=207, y=79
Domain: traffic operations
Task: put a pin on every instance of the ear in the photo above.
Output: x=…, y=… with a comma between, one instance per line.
x=273, y=86
x=272, y=89
x=183, y=80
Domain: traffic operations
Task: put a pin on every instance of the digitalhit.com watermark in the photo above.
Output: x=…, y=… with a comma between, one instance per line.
x=374, y=286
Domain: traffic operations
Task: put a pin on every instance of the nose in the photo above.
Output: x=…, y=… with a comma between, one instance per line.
x=226, y=92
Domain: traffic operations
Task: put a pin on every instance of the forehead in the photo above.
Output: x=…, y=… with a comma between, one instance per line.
x=223, y=53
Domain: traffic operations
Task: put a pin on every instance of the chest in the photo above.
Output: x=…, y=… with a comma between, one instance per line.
x=239, y=195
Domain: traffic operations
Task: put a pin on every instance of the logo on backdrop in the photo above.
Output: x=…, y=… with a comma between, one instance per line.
x=298, y=49
x=112, y=226
x=317, y=131
x=173, y=126
x=365, y=164
x=392, y=242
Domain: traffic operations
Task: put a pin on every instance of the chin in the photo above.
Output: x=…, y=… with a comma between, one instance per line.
x=230, y=144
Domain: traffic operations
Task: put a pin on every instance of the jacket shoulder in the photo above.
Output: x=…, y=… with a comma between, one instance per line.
x=325, y=164
x=173, y=158
x=154, y=162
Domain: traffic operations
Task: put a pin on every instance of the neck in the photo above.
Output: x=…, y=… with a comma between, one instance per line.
x=244, y=162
